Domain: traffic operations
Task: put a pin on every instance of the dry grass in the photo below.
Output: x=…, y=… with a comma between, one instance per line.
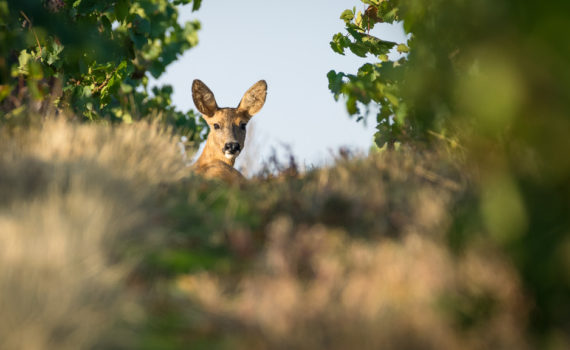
x=70, y=195
x=322, y=290
x=355, y=258
x=351, y=256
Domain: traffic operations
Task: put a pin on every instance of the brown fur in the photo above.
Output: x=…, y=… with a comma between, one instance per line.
x=227, y=125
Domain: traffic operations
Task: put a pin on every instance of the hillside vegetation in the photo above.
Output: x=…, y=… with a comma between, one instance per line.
x=110, y=242
x=453, y=233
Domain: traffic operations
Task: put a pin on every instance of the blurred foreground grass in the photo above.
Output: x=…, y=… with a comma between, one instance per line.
x=109, y=242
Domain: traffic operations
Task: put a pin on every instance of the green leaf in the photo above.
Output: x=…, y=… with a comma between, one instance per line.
x=402, y=48
x=53, y=53
x=390, y=16
x=351, y=105
x=358, y=20
x=86, y=91
x=23, y=60
x=339, y=43
x=335, y=82
x=401, y=114
x=196, y=5
x=347, y=15
x=336, y=47
x=359, y=49
x=383, y=135
x=393, y=99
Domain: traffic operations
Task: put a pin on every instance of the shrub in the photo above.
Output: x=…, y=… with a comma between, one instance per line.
x=94, y=58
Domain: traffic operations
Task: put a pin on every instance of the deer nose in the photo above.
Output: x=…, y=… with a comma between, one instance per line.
x=232, y=147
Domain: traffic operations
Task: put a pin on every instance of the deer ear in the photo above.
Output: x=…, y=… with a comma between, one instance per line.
x=204, y=98
x=254, y=98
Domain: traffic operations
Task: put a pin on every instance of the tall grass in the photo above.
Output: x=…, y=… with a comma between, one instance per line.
x=72, y=195
x=356, y=257
x=108, y=241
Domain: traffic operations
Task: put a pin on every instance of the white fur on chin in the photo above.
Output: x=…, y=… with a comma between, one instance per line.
x=231, y=156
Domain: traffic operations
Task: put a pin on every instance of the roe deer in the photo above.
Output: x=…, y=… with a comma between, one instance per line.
x=227, y=130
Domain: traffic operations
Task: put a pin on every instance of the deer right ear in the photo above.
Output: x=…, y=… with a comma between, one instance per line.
x=204, y=98
x=254, y=98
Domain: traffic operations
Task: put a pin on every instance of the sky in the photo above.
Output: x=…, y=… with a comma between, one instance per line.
x=287, y=44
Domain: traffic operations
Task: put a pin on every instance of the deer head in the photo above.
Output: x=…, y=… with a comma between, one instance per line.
x=227, y=125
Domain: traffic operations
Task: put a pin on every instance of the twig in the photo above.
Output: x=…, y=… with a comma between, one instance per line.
x=33, y=31
x=107, y=79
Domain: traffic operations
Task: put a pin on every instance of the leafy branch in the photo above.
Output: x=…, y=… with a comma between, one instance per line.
x=376, y=84
x=101, y=52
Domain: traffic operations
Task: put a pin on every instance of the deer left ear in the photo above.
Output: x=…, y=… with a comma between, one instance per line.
x=254, y=98
x=204, y=98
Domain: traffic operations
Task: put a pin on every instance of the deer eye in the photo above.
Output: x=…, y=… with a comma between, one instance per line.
x=217, y=126
x=242, y=126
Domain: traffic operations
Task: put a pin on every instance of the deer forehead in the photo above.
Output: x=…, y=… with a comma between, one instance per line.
x=228, y=116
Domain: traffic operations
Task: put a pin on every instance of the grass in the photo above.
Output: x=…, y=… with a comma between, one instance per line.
x=109, y=241
x=74, y=201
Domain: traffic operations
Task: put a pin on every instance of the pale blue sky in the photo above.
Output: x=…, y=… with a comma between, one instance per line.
x=287, y=44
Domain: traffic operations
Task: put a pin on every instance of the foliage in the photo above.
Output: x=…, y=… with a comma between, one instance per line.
x=93, y=57
x=375, y=83
x=490, y=80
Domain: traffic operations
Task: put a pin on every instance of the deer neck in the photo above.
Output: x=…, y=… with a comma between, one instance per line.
x=213, y=153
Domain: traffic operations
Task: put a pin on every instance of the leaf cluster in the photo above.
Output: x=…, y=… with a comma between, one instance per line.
x=93, y=57
x=375, y=83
